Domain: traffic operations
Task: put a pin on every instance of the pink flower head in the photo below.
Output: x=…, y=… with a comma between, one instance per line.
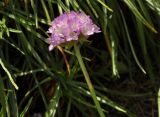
x=69, y=26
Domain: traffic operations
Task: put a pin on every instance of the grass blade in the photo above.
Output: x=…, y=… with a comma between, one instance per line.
x=26, y=108
x=2, y=98
x=54, y=102
x=131, y=46
x=159, y=103
x=103, y=4
x=139, y=16
x=9, y=74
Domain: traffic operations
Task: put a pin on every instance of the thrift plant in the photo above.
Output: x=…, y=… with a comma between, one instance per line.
x=69, y=26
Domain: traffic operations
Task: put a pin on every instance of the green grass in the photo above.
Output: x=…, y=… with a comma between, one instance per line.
x=122, y=62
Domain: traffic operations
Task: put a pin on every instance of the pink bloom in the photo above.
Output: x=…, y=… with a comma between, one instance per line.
x=68, y=26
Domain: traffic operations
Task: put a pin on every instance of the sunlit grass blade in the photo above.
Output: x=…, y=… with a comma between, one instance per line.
x=54, y=102
x=46, y=10
x=35, y=12
x=62, y=5
x=74, y=4
x=154, y=5
x=85, y=103
x=14, y=46
x=145, y=11
x=138, y=15
x=28, y=72
x=113, y=38
x=114, y=58
x=8, y=74
x=105, y=100
x=67, y=4
x=103, y=4
x=14, y=30
x=81, y=85
x=91, y=6
x=26, y=107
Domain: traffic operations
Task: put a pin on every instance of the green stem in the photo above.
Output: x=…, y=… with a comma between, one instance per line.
x=87, y=78
x=158, y=102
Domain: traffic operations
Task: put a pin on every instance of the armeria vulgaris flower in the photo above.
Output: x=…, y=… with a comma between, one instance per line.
x=69, y=26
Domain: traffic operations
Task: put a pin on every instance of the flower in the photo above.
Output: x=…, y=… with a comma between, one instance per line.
x=69, y=26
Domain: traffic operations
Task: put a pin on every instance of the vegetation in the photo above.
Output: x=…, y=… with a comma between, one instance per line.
x=123, y=61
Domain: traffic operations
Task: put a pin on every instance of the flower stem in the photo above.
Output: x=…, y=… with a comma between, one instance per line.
x=87, y=78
